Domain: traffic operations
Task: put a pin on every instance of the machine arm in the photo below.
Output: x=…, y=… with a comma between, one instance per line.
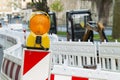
x=98, y=28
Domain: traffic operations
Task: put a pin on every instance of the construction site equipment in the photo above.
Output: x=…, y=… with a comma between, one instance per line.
x=76, y=22
x=81, y=27
x=53, y=24
x=93, y=26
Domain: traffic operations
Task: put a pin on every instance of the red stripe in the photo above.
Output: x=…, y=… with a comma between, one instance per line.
x=17, y=72
x=52, y=77
x=11, y=70
x=78, y=78
x=6, y=68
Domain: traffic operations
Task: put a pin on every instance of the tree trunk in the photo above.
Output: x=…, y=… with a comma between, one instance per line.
x=116, y=20
x=103, y=7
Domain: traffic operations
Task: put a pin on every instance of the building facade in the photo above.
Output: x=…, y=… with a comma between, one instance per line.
x=13, y=7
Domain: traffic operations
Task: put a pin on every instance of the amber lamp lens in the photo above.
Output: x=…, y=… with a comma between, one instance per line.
x=40, y=24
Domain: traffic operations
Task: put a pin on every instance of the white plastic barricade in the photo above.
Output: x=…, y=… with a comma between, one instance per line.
x=11, y=63
x=75, y=54
x=110, y=56
x=72, y=55
x=10, y=70
x=35, y=64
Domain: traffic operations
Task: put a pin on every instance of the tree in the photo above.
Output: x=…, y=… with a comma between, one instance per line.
x=116, y=20
x=40, y=5
x=57, y=6
x=103, y=9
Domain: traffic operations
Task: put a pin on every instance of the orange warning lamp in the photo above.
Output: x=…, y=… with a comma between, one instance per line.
x=40, y=24
x=38, y=37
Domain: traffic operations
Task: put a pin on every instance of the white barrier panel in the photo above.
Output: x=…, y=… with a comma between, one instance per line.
x=11, y=63
x=11, y=70
x=35, y=64
x=75, y=54
x=91, y=74
x=7, y=41
x=110, y=56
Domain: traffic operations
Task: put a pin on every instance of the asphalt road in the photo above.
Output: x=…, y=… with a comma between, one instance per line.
x=1, y=57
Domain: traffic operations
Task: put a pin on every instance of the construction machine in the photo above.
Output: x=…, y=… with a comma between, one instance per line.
x=97, y=27
x=53, y=25
x=75, y=22
x=81, y=27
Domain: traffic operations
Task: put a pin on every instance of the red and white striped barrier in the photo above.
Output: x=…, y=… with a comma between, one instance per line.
x=35, y=64
x=11, y=69
x=64, y=77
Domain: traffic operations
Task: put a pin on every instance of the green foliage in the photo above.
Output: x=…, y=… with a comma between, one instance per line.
x=57, y=6
x=96, y=36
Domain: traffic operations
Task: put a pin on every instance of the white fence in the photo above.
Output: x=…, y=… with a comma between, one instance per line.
x=12, y=55
x=74, y=54
x=6, y=41
x=109, y=54
x=12, y=44
x=84, y=59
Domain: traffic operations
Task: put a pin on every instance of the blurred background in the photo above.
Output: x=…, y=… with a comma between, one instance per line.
x=19, y=11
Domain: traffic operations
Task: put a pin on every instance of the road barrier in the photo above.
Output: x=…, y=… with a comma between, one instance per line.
x=109, y=54
x=95, y=61
x=36, y=64
x=11, y=70
x=11, y=63
x=74, y=54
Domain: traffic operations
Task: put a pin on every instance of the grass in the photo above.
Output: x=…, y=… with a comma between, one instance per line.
x=61, y=33
x=96, y=36
x=110, y=39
